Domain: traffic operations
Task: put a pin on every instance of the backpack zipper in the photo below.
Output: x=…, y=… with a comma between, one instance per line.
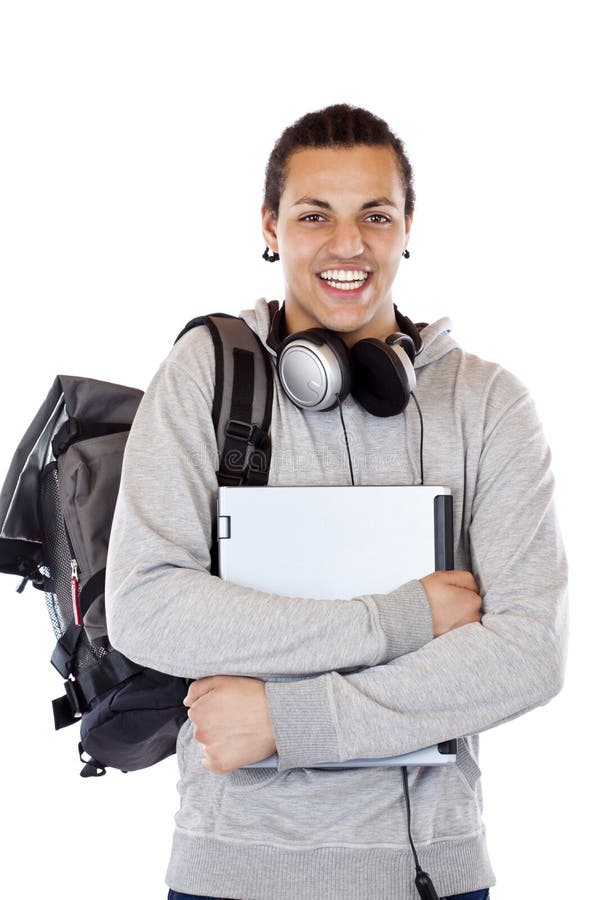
x=75, y=572
x=75, y=592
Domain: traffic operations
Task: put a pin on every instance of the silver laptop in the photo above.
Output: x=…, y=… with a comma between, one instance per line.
x=337, y=542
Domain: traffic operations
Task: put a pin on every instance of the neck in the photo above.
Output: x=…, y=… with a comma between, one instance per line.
x=291, y=321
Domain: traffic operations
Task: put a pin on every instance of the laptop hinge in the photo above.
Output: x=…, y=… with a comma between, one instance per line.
x=223, y=527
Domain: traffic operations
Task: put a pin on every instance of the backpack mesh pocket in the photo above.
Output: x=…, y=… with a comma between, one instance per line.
x=58, y=553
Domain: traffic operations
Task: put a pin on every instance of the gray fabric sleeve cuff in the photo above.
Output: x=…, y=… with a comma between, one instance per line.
x=405, y=617
x=302, y=712
x=303, y=722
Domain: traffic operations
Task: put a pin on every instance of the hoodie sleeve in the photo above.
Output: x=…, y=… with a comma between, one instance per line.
x=474, y=677
x=164, y=608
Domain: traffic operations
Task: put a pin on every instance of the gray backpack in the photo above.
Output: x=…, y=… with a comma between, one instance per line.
x=56, y=510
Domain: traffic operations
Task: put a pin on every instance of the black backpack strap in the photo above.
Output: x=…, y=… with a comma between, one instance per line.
x=91, y=768
x=73, y=430
x=242, y=401
x=112, y=669
x=91, y=682
x=64, y=652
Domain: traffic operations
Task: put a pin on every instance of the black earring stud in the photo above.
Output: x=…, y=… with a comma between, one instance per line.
x=406, y=254
x=270, y=257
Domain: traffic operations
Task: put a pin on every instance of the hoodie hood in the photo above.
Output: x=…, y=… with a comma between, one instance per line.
x=437, y=341
x=436, y=337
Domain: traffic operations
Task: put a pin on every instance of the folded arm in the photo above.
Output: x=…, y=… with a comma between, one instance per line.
x=473, y=677
x=164, y=608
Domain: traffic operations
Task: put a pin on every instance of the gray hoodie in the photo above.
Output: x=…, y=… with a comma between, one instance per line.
x=345, y=679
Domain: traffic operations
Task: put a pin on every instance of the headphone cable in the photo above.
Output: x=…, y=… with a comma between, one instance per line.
x=423, y=882
x=348, y=446
x=346, y=438
x=422, y=434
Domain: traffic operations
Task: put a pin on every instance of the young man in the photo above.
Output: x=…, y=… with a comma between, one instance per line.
x=448, y=655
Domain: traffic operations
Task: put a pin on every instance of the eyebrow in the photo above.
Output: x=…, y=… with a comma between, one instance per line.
x=322, y=204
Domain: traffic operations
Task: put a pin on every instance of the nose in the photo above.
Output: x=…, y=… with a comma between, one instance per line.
x=346, y=241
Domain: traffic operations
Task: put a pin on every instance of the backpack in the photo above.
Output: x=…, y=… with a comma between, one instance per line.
x=56, y=510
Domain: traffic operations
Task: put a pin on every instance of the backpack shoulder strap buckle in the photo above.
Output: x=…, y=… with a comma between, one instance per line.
x=69, y=708
x=240, y=431
x=242, y=402
x=247, y=432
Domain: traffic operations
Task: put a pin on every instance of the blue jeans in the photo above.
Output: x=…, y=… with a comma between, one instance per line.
x=175, y=895
x=473, y=895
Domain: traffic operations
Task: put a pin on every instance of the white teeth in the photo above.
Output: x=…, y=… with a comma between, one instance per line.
x=341, y=276
x=343, y=279
x=346, y=285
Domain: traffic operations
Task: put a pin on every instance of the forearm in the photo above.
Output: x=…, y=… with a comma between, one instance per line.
x=164, y=608
x=476, y=676
x=189, y=623
x=464, y=682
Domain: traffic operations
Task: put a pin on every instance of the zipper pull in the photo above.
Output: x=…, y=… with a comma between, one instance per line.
x=75, y=592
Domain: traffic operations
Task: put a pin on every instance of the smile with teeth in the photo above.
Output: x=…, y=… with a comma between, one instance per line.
x=344, y=279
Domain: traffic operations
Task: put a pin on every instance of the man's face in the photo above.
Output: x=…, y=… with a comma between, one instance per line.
x=340, y=234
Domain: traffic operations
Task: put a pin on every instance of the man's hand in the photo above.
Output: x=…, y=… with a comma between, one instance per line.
x=453, y=598
x=231, y=718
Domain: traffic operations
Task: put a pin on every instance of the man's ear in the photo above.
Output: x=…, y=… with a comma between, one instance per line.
x=407, y=226
x=269, y=228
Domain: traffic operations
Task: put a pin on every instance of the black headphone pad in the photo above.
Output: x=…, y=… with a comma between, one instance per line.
x=380, y=380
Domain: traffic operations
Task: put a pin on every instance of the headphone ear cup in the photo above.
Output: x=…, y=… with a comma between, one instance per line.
x=383, y=376
x=313, y=368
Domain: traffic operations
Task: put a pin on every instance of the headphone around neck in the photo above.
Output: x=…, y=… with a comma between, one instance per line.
x=315, y=367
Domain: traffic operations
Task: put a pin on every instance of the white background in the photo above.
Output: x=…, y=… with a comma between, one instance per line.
x=134, y=141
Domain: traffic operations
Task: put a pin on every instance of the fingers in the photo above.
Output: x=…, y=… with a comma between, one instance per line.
x=456, y=578
x=453, y=599
x=459, y=579
x=198, y=688
x=466, y=604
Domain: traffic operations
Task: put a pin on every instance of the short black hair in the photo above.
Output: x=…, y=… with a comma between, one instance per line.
x=340, y=125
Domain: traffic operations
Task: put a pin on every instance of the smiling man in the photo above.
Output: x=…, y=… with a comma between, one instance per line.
x=339, y=251
x=448, y=655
